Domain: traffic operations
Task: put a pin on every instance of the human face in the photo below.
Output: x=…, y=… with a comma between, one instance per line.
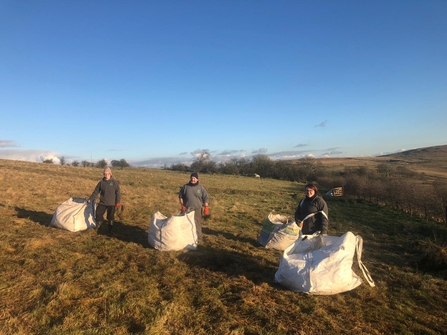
x=107, y=175
x=310, y=192
x=194, y=180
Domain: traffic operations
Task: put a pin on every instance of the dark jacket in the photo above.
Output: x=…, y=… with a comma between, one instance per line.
x=318, y=222
x=109, y=191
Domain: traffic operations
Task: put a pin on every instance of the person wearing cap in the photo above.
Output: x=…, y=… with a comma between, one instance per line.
x=193, y=196
x=110, y=196
x=313, y=203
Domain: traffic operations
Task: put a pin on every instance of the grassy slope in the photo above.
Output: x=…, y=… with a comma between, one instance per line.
x=431, y=161
x=57, y=282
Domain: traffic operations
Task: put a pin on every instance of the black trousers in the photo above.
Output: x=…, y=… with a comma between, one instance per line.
x=101, y=209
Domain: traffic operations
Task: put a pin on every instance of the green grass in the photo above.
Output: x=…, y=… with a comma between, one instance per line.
x=57, y=282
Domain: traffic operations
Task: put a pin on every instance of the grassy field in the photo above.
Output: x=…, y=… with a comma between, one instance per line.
x=431, y=161
x=58, y=282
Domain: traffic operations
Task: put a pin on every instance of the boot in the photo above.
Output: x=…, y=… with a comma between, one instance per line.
x=110, y=226
x=98, y=226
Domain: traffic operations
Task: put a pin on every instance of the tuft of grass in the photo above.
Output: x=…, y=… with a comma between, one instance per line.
x=58, y=282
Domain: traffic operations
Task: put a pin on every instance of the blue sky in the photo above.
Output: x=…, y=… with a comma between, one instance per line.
x=156, y=82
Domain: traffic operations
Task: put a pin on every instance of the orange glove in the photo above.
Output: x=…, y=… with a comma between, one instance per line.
x=184, y=209
x=117, y=205
x=206, y=211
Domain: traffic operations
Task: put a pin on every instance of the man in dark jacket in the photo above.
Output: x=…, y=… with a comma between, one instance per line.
x=313, y=206
x=110, y=196
x=192, y=197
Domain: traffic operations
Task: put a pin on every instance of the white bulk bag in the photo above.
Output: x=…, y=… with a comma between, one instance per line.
x=317, y=264
x=175, y=233
x=278, y=232
x=74, y=215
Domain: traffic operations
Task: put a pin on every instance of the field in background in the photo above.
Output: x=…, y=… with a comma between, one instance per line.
x=57, y=282
x=431, y=161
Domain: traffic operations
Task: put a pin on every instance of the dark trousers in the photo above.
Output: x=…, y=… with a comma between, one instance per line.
x=101, y=209
x=198, y=221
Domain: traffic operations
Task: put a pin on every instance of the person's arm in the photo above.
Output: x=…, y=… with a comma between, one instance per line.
x=181, y=200
x=95, y=192
x=117, y=194
x=205, y=199
x=181, y=195
x=324, y=218
x=298, y=214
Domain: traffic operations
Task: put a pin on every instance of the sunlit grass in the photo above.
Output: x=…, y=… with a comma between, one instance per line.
x=57, y=282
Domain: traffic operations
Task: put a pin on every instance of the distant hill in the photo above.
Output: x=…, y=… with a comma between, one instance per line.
x=437, y=153
x=431, y=161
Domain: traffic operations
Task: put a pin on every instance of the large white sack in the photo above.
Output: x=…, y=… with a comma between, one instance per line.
x=322, y=264
x=177, y=232
x=278, y=232
x=74, y=215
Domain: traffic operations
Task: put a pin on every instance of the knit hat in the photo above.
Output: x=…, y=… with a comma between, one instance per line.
x=194, y=174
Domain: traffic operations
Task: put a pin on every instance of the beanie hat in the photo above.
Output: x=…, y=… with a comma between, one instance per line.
x=194, y=174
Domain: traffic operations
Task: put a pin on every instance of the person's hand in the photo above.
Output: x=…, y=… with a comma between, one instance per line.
x=87, y=201
x=206, y=211
x=118, y=205
x=184, y=209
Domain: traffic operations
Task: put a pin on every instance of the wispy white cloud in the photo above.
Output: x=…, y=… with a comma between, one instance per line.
x=288, y=154
x=30, y=155
x=8, y=144
x=259, y=151
x=230, y=152
x=322, y=124
x=332, y=151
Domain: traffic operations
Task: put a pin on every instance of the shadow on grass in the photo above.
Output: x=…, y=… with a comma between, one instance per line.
x=121, y=231
x=41, y=218
x=232, y=263
x=126, y=233
x=230, y=236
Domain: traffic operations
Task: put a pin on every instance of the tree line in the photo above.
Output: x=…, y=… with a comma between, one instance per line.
x=122, y=163
x=388, y=184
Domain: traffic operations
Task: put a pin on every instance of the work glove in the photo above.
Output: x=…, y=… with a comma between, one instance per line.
x=184, y=209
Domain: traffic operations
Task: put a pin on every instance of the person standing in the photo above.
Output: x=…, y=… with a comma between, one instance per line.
x=313, y=203
x=193, y=196
x=110, y=196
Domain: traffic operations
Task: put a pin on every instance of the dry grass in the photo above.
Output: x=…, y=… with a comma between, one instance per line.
x=57, y=282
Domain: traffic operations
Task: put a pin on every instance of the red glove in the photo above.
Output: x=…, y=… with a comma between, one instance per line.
x=184, y=209
x=206, y=211
x=117, y=205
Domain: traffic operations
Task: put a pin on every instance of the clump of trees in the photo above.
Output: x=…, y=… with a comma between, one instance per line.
x=302, y=170
x=122, y=163
x=391, y=185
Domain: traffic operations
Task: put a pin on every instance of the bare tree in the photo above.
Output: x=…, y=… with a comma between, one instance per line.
x=121, y=163
x=101, y=163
